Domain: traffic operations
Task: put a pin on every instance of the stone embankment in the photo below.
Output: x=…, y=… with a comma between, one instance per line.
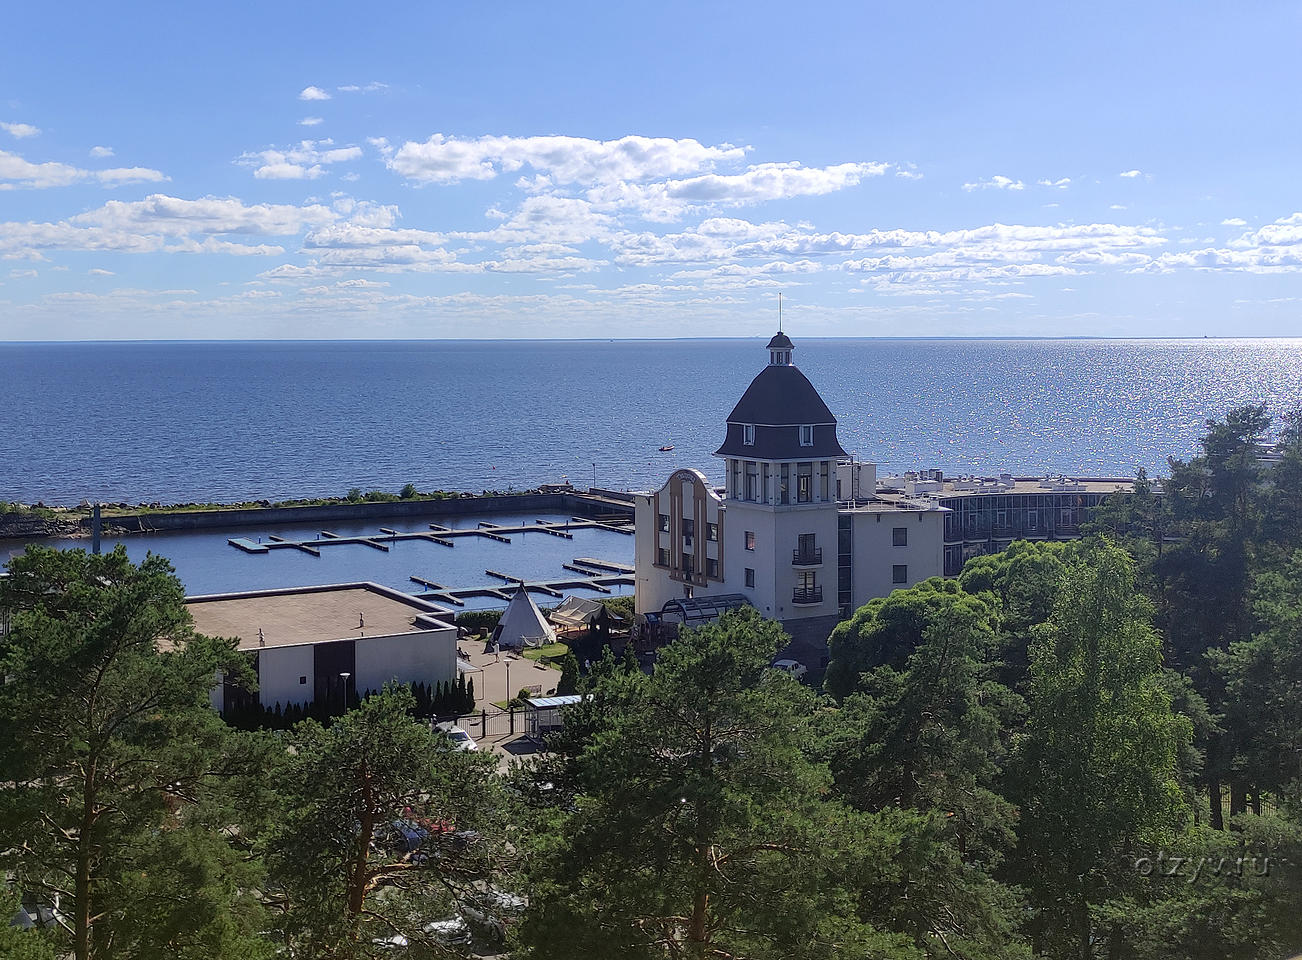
x=34, y=526
x=30, y=525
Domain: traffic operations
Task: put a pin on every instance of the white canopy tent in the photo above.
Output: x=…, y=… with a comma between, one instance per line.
x=523, y=625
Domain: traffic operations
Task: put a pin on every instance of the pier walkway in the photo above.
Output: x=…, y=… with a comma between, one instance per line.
x=590, y=579
x=437, y=533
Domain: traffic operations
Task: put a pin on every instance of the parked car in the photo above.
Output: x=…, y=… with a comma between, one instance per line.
x=450, y=932
x=460, y=739
x=492, y=911
x=793, y=667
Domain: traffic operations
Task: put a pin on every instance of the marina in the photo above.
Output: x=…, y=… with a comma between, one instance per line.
x=438, y=533
x=450, y=556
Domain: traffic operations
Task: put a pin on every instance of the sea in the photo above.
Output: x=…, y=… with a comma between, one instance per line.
x=177, y=422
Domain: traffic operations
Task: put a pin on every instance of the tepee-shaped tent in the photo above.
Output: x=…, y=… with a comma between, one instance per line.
x=523, y=625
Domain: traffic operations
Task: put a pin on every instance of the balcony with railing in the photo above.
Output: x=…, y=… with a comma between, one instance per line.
x=805, y=596
x=808, y=557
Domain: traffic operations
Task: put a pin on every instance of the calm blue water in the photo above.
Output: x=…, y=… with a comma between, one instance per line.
x=231, y=421
x=206, y=563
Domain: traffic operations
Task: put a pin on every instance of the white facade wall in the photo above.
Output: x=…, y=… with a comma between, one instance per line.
x=655, y=584
x=746, y=517
x=875, y=554
x=649, y=582
x=426, y=657
x=279, y=670
x=789, y=522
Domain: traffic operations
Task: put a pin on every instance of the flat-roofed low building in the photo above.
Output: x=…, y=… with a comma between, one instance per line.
x=326, y=641
x=986, y=514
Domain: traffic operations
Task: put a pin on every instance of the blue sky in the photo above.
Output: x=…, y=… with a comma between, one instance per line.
x=188, y=171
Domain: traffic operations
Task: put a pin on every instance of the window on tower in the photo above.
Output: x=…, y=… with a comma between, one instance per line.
x=748, y=434
x=806, y=435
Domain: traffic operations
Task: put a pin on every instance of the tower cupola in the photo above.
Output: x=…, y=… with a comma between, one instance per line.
x=780, y=348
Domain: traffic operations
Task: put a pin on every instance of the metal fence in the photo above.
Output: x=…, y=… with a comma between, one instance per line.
x=487, y=724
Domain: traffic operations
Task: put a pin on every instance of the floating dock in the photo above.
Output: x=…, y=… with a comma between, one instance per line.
x=599, y=583
x=443, y=536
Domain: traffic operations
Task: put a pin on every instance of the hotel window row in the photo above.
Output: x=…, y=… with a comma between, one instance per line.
x=689, y=528
x=785, y=483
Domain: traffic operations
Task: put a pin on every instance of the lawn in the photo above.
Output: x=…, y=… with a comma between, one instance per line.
x=551, y=651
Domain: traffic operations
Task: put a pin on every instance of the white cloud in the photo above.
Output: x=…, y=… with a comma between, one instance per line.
x=17, y=172
x=373, y=87
x=208, y=215
x=1061, y=184
x=100, y=272
x=1234, y=222
x=309, y=121
x=100, y=153
x=14, y=170
x=443, y=159
x=306, y=161
x=20, y=130
x=1261, y=260
x=996, y=182
x=672, y=199
x=121, y=175
x=1117, y=206
x=167, y=224
x=22, y=274
x=1131, y=174
x=313, y=93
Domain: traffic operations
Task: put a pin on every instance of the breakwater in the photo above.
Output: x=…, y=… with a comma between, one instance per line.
x=29, y=526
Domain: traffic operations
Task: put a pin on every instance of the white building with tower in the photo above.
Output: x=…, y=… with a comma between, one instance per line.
x=797, y=530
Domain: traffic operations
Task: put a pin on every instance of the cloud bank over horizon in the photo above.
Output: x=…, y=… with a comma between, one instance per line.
x=415, y=208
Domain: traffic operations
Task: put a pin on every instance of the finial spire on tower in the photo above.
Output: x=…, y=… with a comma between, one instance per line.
x=779, y=313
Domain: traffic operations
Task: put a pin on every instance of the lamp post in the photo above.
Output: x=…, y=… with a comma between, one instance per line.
x=508, y=680
x=343, y=677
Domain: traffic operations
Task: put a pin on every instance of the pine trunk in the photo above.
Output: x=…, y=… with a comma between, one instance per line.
x=1217, y=818
x=357, y=881
x=1238, y=798
x=82, y=881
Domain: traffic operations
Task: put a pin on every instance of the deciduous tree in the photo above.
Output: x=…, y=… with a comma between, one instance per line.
x=1096, y=778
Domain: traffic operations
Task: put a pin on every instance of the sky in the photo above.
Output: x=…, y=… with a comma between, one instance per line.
x=521, y=170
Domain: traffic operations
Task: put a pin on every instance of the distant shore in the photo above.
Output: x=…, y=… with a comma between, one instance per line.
x=38, y=521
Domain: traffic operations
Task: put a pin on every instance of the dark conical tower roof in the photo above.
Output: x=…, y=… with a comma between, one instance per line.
x=777, y=403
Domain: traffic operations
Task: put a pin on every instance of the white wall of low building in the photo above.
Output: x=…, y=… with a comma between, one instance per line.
x=286, y=675
x=426, y=657
x=875, y=554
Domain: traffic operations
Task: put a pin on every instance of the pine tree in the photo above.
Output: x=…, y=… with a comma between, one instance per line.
x=704, y=830
x=113, y=760
x=348, y=883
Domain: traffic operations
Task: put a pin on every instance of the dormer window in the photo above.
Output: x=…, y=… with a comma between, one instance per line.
x=806, y=435
x=748, y=434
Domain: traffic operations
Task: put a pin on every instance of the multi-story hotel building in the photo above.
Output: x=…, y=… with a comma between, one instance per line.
x=805, y=534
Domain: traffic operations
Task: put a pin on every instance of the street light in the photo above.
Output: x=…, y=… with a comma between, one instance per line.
x=508, y=680
x=343, y=676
